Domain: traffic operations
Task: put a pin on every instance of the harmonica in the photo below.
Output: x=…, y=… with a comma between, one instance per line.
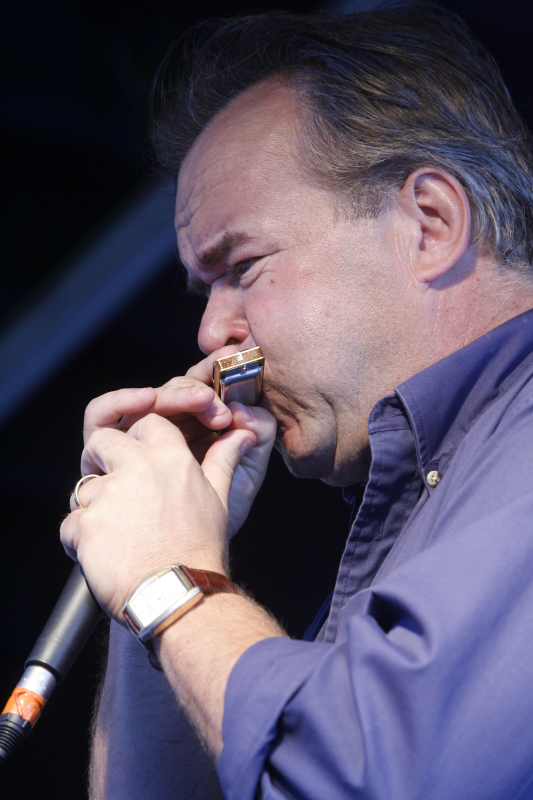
x=240, y=377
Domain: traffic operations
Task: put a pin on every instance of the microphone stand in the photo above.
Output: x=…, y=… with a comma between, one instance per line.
x=73, y=619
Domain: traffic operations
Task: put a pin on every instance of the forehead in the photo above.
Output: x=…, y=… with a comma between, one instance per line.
x=244, y=157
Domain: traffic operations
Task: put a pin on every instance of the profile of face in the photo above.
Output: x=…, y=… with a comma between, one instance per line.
x=285, y=268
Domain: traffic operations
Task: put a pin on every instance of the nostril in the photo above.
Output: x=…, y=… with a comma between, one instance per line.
x=232, y=340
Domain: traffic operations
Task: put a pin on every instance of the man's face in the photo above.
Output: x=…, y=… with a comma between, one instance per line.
x=283, y=268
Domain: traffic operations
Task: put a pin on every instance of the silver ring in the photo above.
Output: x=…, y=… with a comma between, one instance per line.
x=79, y=483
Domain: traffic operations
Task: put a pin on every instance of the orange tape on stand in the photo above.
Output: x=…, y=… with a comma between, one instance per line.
x=26, y=704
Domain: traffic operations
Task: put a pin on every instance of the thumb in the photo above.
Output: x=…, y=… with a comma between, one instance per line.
x=222, y=459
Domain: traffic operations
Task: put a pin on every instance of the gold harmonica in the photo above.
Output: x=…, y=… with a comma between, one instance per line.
x=240, y=376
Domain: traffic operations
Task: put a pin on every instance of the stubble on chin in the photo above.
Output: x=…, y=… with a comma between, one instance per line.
x=323, y=458
x=304, y=455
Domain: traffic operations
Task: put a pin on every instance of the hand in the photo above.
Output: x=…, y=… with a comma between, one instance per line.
x=192, y=405
x=188, y=401
x=155, y=505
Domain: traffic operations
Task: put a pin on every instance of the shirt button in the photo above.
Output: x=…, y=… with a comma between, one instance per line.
x=433, y=477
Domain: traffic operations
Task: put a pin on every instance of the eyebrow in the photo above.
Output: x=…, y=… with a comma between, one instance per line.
x=213, y=256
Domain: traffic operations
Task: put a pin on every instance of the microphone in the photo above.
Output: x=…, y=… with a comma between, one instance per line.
x=73, y=619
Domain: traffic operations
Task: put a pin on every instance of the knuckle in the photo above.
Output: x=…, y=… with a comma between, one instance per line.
x=93, y=407
x=141, y=470
x=100, y=437
x=171, y=384
x=151, y=421
x=87, y=464
x=177, y=385
x=143, y=425
x=65, y=529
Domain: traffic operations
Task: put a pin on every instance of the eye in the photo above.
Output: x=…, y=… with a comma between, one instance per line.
x=243, y=266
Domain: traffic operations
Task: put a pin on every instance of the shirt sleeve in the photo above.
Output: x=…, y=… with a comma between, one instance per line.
x=429, y=695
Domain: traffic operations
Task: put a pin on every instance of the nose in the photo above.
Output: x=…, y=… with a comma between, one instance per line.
x=224, y=321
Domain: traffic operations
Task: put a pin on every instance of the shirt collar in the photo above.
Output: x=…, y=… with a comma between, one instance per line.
x=444, y=401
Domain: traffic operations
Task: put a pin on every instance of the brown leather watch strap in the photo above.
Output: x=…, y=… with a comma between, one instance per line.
x=209, y=582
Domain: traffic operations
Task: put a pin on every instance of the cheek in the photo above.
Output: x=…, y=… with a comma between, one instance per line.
x=289, y=328
x=312, y=309
x=272, y=314
x=266, y=308
x=289, y=310
x=270, y=330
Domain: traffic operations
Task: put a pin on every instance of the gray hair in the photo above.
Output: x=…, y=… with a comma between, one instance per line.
x=381, y=93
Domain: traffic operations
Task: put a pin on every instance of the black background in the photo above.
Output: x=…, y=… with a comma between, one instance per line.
x=74, y=93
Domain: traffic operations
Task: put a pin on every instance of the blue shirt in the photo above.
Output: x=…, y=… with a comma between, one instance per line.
x=421, y=683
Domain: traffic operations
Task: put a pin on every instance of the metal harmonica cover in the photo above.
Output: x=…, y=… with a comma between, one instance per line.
x=240, y=376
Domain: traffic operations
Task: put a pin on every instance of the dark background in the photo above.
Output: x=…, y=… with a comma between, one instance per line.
x=74, y=91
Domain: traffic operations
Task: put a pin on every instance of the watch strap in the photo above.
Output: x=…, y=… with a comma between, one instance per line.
x=209, y=582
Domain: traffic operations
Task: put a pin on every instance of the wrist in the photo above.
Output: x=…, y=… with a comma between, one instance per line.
x=166, y=595
x=204, y=560
x=200, y=651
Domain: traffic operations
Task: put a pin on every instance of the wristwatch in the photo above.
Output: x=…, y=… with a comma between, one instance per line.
x=165, y=596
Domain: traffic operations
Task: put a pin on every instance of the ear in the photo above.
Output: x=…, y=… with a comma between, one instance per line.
x=438, y=210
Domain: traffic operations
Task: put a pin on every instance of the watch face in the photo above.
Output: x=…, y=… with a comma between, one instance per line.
x=155, y=595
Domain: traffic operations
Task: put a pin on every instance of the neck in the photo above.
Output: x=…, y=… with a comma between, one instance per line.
x=461, y=313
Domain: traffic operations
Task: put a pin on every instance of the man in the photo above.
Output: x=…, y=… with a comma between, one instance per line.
x=355, y=196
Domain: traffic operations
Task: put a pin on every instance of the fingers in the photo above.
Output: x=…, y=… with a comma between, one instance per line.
x=69, y=530
x=191, y=394
x=156, y=430
x=185, y=402
x=154, y=488
x=154, y=505
x=106, y=450
x=222, y=459
x=252, y=467
x=203, y=371
x=200, y=399
x=255, y=419
x=262, y=424
x=182, y=397
x=105, y=411
x=176, y=400
x=81, y=502
x=109, y=449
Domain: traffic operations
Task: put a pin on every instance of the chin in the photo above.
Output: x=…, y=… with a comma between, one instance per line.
x=314, y=462
x=319, y=462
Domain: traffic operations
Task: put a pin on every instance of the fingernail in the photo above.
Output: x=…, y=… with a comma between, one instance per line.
x=216, y=410
x=195, y=389
x=140, y=392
